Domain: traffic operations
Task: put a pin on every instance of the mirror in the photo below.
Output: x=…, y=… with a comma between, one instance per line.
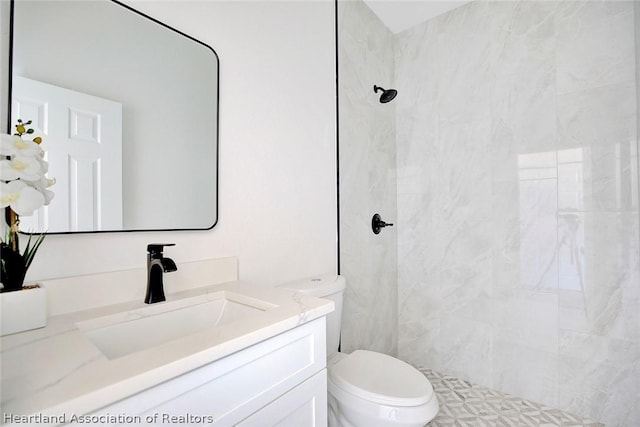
x=128, y=111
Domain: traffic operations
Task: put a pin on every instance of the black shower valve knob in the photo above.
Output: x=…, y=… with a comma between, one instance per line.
x=378, y=224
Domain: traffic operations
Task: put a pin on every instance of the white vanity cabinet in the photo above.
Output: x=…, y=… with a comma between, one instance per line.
x=304, y=405
x=277, y=382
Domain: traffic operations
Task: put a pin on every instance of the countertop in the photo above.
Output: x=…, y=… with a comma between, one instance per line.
x=57, y=370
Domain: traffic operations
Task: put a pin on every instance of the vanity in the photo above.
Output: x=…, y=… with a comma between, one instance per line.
x=217, y=352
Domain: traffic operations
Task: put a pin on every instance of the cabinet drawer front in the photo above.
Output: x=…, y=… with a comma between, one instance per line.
x=305, y=405
x=228, y=390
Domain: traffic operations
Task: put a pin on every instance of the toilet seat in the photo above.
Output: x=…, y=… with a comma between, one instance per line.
x=381, y=379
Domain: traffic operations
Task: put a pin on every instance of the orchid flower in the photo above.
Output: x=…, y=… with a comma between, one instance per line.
x=22, y=171
x=23, y=190
x=20, y=167
x=12, y=145
x=42, y=185
x=22, y=198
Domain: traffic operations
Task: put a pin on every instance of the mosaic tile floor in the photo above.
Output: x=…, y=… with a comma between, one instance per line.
x=463, y=404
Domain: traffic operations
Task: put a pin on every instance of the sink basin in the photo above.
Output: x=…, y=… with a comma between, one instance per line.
x=124, y=333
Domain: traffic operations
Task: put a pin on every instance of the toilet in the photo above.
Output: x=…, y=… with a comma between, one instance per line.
x=366, y=388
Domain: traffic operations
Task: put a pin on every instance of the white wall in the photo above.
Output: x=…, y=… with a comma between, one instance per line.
x=277, y=181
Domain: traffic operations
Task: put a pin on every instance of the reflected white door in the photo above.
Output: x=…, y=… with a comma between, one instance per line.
x=83, y=139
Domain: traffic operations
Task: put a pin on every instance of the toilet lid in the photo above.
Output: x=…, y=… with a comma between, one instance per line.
x=381, y=379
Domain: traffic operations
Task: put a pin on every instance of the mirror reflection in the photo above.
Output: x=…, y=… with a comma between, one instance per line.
x=128, y=111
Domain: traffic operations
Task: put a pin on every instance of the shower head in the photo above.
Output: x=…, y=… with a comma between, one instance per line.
x=387, y=94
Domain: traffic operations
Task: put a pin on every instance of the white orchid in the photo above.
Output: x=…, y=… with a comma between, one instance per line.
x=22, y=198
x=20, y=167
x=42, y=185
x=12, y=145
x=23, y=172
x=23, y=190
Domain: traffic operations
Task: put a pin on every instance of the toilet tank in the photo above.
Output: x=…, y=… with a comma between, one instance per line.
x=327, y=286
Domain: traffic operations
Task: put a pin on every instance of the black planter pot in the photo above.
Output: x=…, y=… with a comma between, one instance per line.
x=13, y=269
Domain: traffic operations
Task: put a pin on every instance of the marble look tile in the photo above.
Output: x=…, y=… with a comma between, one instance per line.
x=600, y=267
x=466, y=349
x=505, y=225
x=528, y=319
x=362, y=33
x=523, y=144
x=599, y=375
x=368, y=182
x=461, y=165
x=594, y=44
x=518, y=132
x=601, y=116
x=523, y=114
x=418, y=247
x=597, y=149
x=538, y=234
x=525, y=371
x=463, y=85
x=415, y=53
x=417, y=134
x=462, y=207
x=517, y=200
x=418, y=344
x=522, y=38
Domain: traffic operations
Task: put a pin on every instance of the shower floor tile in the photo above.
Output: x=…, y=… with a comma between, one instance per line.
x=463, y=404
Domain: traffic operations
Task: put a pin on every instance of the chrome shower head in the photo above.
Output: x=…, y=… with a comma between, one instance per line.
x=387, y=94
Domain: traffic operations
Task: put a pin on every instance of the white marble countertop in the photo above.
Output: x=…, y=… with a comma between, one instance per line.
x=57, y=370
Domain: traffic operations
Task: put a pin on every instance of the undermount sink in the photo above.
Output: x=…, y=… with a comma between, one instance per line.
x=124, y=333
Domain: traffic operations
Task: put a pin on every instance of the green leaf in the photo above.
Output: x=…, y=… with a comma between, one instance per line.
x=30, y=251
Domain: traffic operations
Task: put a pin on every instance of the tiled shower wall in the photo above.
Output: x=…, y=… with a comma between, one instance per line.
x=367, y=181
x=517, y=198
x=518, y=202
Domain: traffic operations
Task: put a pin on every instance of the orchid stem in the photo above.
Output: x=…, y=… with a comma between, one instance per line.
x=13, y=221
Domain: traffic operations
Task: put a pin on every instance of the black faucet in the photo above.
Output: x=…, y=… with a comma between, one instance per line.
x=156, y=265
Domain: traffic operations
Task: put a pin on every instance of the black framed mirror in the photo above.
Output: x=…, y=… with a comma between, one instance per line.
x=128, y=111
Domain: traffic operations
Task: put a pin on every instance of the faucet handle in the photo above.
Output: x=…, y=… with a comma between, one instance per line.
x=156, y=249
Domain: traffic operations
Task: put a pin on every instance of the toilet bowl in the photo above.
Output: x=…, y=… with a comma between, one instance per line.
x=366, y=388
x=375, y=390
